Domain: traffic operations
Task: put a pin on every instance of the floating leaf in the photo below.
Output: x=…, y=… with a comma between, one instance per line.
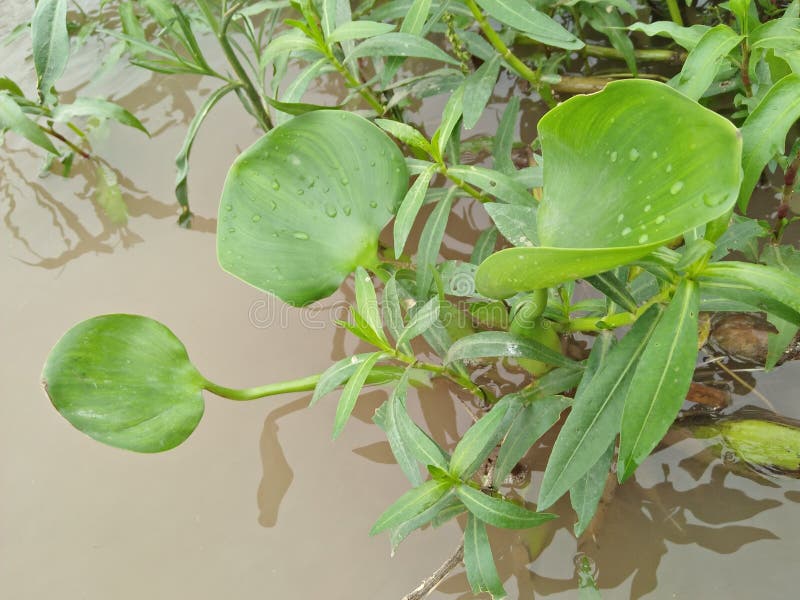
x=625, y=171
x=126, y=381
x=304, y=206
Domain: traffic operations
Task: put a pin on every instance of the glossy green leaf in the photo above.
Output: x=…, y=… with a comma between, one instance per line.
x=487, y=344
x=406, y=134
x=531, y=423
x=724, y=294
x=503, y=187
x=586, y=493
x=351, y=390
x=411, y=504
x=97, y=107
x=610, y=285
x=390, y=309
x=705, y=60
x=420, y=321
x=12, y=118
x=478, y=561
x=764, y=131
x=620, y=180
x=778, y=285
x=358, y=30
x=126, y=381
x=445, y=505
x=409, y=208
x=304, y=206
x=10, y=86
x=50, y=42
x=430, y=241
x=337, y=374
x=688, y=37
x=516, y=223
x=608, y=21
x=367, y=301
x=661, y=380
x=386, y=418
x=480, y=439
x=478, y=88
x=524, y=17
x=451, y=114
x=500, y=512
x=400, y=44
x=595, y=417
x=504, y=137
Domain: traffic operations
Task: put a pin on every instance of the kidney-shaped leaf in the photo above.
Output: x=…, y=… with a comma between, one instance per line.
x=303, y=206
x=126, y=381
x=625, y=170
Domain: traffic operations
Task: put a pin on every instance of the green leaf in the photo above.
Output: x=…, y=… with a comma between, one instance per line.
x=596, y=412
x=409, y=208
x=390, y=309
x=705, y=60
x=484, y=245
x=337, y=374
x=97, y=107
x=778, y=285
x=12, y=118
x=406, y=134
x=503, y=187
x=764, y=131
x=447, y=504
x=525, y=18
x=358, y=30
x=480, y=439
x=504, y=137
x=420, y=321
x=661, y=381
x=529, y=425
x=386, y=418
x=478, y=88
x=126, y=381
x=725, y=295
x=50, y=42
x=620, y=180
x=411, y=504
x=516, y=223
x=608, y=21
x=610, y=285
x=499, y=512
x=688, y=37
x=430, y=241
x=11, y=87
x=450, y=116
x=351, y=391
x=400, y=44
x=182, y=159
x=303, y=206
x=367, y=302
x=486, y=344
x=478, y=561
x=108, y=196
x=587, y=491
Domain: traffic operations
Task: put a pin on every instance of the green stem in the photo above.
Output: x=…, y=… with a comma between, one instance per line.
x=612, y=321
x=52, y=132
x=305, y=384
x=645, y=54
x=675, y=12
x=520, y=67
x=463, y=185
x=352, y=82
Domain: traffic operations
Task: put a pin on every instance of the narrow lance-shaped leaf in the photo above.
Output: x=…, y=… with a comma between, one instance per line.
x=531, y=423
x=337, y=374
x=182, y=159
x=367, y=302
x=409, y=208
x=478, y=561
x=595, y=417
x=400, y=44
x=499, y=185
x=440, y=510
x=410, y=504
x=586, y=493
x=126, y=381
x=406, y=134
x=359, y=30
x=12, y=118
x=504, y=137
x=764, y=131
x=97, y=107
x=478, y=88
x=661, y=380
x=500, y=343
x=704, y=61
x=390, y=309
x=610, y=285
x=429, y=243
x=480, y=439
x=420, y=321
x=540, y=27
x=516, y=223
x=50, y=42
x=450, y=116
x=386, y=418
x=413, y=24
x=500, y=512
x=351, y=391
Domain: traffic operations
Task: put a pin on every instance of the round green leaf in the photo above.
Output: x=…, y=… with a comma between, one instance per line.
x=303, y=206
x=625, y=171
x=126, y=381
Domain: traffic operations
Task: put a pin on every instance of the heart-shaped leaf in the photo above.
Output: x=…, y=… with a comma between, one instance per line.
x=304, y=205
x=625, y=170
x=126, y=381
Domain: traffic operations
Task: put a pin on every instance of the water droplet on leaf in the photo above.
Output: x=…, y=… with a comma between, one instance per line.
x=256, y=218
x=676, y=187
x=300, y=235
x=643, y=238
x=660, y=219
x=633, y=155
x=613, y=156
x=626, y=231
x=276, y=185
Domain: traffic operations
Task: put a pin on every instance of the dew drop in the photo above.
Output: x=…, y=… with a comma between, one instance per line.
x=643, y=238
x=373, y=204
x=330, y=210
x=613, y=156
x=711, y=200
x=344, y=180
x=300, y=235
x=231, y=230
x=626, y=231
x=229, y=207
x=660, y=219
x=620, y=218
x=276, y=185
x=676, y=187
x=647, y=207
x=633, y=155
x=654, y=154
x=273, y=204
x=669, y=169
x=372, y=163
x=346, y=209
x=256, y=218
x=300, y=191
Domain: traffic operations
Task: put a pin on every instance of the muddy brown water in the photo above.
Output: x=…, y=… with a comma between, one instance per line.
x=259, y=502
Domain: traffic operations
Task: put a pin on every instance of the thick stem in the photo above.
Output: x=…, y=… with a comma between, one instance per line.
x=305, y=384
x=427, y=586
